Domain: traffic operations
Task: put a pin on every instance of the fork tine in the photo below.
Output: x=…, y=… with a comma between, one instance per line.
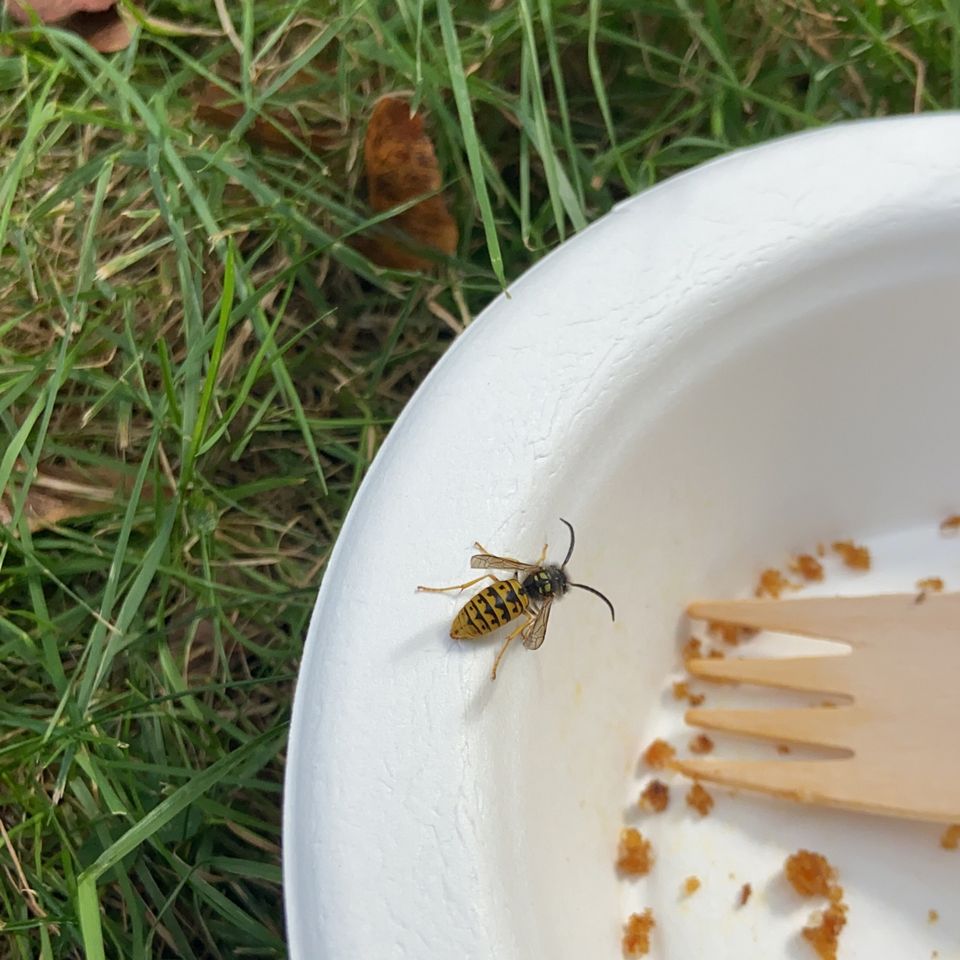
x=813, y=674
x=829, y=618
x=832, y=782
x=817, y=726
x=803, y=780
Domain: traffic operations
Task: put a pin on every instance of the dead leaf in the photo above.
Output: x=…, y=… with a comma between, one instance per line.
x=98, y=21
x=401, y=166
x=58, y=494
x=217, y=107
x=42, y=510
x=53, y=11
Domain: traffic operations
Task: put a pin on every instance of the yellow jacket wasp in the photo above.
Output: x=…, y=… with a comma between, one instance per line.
x=530, y=594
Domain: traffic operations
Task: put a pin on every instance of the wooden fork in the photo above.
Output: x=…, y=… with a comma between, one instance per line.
x=900, y=730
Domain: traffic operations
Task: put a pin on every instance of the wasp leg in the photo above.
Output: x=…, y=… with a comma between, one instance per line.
x=506, y=643
x=457, y=586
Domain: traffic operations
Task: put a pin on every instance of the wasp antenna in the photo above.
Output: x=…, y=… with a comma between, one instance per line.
x=566, y=559
x=593, y=590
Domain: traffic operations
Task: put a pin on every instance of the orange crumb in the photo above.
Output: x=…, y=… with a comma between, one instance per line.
x=699, y=799
x=808, y=567
x=856, y=558
x=810, y=874
x=701, y=743
x=659, y=754
x=782, y=748
x=634, y=856
x=681, y=691
x=933, y=584
x=730, y=633
x=951, y=524
x=718, y=655
x=692, y=649
x=821, y=550
x=691, y=885
x=636, y=934
x=951, y=837
x=771, y=584
x=655, y=797
x=933, y=916
x=824, y=936
x=745, y=893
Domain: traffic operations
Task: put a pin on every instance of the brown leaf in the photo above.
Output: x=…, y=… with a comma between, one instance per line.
x=43, y=510
x=97, y=21
x=401, y=166
x=217, y=107
x=64, y=493
x=53, y=11
x=105, y=31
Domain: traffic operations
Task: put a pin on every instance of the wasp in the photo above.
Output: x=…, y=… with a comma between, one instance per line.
x=530, y=594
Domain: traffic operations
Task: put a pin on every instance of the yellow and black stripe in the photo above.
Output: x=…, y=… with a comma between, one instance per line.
x=491, y=608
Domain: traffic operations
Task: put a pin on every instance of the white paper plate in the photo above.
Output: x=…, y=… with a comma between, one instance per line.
x=752, y=357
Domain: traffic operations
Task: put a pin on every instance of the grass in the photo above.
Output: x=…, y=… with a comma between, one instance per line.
x=186, y=331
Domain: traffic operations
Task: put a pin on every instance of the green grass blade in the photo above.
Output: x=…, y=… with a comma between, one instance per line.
x=458, y=80
x=256, y=750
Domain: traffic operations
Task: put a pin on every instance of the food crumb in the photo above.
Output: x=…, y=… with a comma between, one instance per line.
x=810, y=874
x=951, y=524
x=634, y=855
x=655, y=797
x=699, y=799
x=701, y=744
x=933, y=916
x=771, y=584
x=853, y=556
x=691, y=885
x=782, y=749
x=930, y=584
x=692, y=649
x=808, y=567
x=681, y=691
x=729, y=633
x=950, y=839
x=636, y=934
x=746, y=892
x=659, y=754
x=824, y=936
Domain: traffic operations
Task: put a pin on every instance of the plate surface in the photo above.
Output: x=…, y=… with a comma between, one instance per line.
x=749, y=358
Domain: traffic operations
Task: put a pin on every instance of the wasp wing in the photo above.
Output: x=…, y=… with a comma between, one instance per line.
x=533, y=637
x=487, y=561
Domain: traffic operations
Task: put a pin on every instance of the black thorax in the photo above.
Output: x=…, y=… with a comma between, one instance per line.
x=545, y=583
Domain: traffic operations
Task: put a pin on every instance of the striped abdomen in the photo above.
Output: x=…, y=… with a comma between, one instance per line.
x=492, y=607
